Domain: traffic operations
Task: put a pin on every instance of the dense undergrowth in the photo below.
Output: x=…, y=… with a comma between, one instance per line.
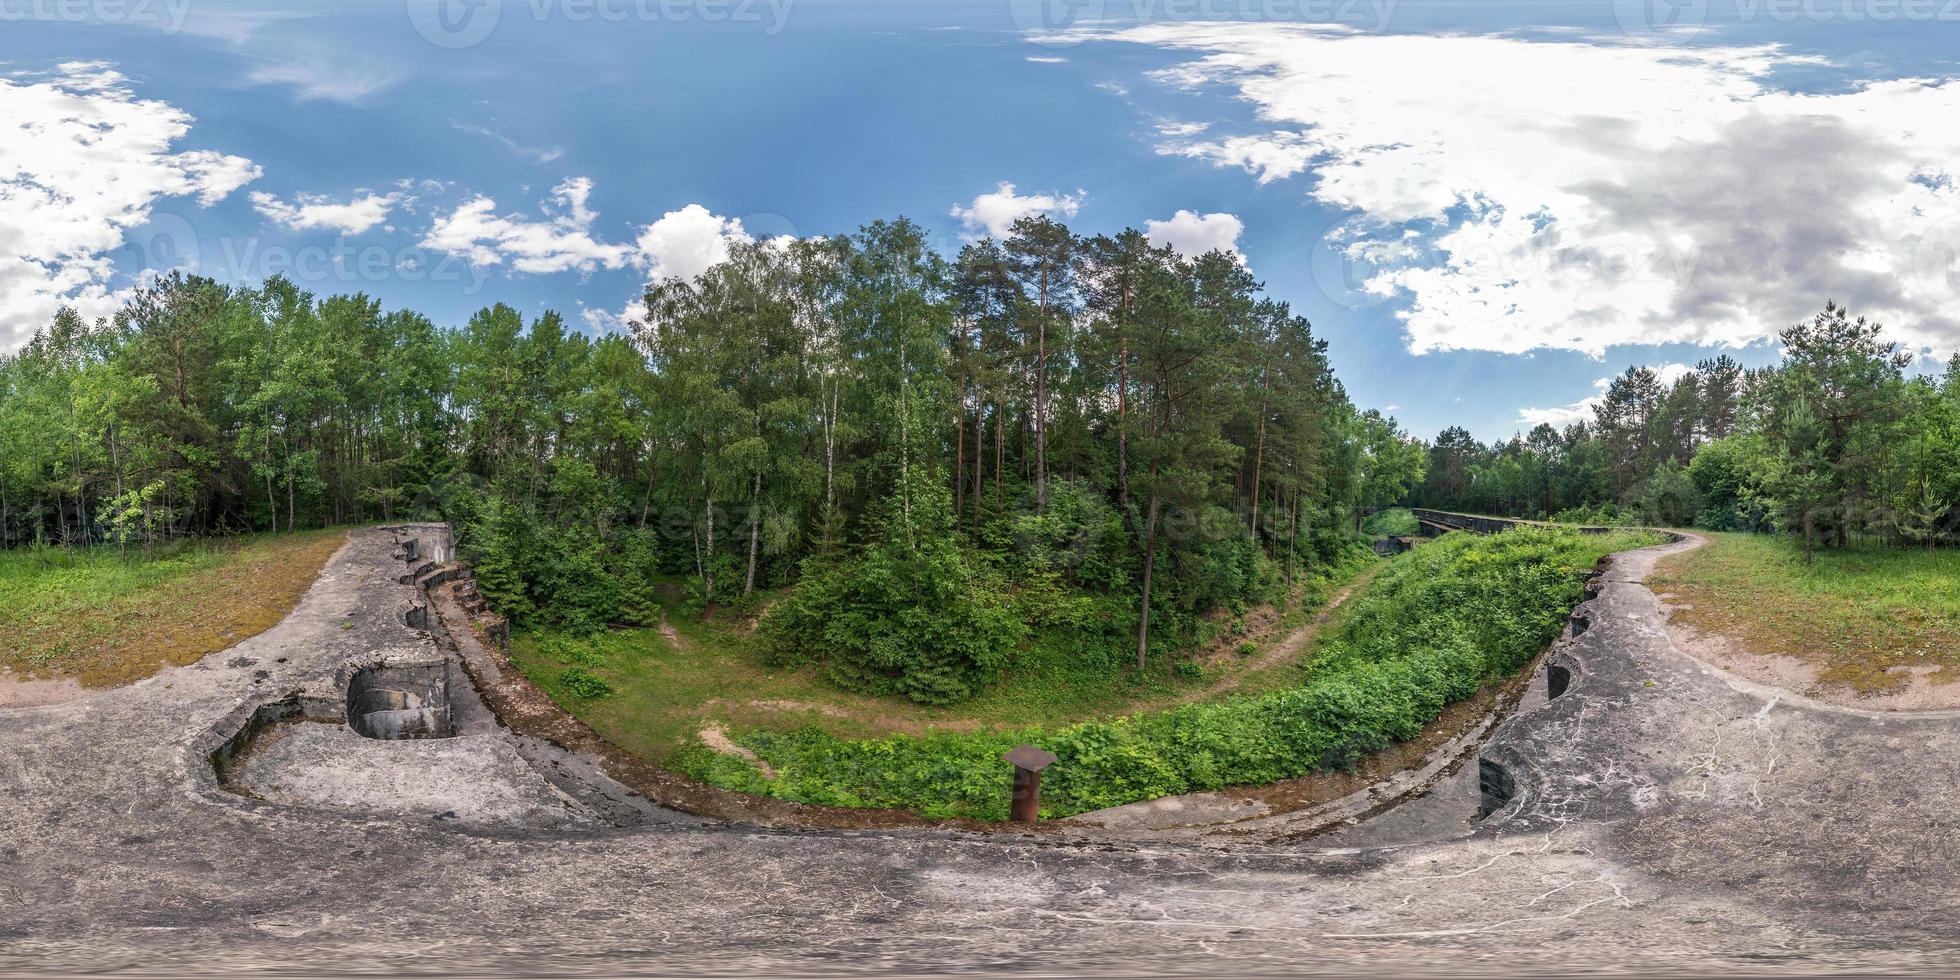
x=1436, y=625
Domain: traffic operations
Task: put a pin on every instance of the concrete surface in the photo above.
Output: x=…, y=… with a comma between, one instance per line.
x=1666, y=818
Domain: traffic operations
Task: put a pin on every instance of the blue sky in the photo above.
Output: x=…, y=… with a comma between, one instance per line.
x=1485, y=207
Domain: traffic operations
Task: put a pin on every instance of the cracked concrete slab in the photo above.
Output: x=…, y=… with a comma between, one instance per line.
x=1661, y=815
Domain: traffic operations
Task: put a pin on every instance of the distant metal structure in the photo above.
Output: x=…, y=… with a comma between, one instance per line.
x=1436, y=522
x=1028, y=761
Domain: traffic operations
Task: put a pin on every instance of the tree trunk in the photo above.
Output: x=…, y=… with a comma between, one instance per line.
x=708, y=563
x=755, y=529
x=1259, y=457
x=1149, y=565
x=1000, y=441
x=646, y=496
x=979, y=452
x=1041, y=403
x=1122, y=416
x=830, y=465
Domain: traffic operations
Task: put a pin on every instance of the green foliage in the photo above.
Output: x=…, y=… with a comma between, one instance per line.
x=1438, y=623
x=1834, y=441
x=1395, y=520
x=912, y=614
x=582, y=683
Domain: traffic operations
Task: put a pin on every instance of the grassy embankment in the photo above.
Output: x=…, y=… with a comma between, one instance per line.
x=1852, y=615
x=668, y=685
x=106, y=620
x=1432, y=628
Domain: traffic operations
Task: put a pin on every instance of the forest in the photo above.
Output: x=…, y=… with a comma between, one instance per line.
x=1834, y=442
x=1047, y=433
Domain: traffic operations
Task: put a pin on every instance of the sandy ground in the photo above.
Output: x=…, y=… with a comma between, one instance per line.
x=18, y=693
x=1927, y=688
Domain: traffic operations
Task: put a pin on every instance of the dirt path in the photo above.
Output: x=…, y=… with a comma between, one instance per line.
x=670, y=634
x=1289, y=647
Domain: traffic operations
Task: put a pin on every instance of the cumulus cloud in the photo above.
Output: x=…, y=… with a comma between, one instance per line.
x=1582, y=410
x=1191, y=234
x=681, y=243
x=993, y=213
x=1580, y=194
x=85, y=162
x=313, y=212
x=685, y=243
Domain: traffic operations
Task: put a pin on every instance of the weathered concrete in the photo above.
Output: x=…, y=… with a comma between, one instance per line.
x=1665, y=817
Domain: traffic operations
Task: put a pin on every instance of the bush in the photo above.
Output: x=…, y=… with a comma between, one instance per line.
x=912, y=614
x=584, y=684
x=1438, y=623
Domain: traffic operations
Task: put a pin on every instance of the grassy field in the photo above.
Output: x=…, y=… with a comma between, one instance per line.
x=105, y=621
x=1852, y=615
x=669, y=684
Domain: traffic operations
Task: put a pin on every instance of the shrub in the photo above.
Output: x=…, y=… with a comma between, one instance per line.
x=584, y=684
x=912, y=614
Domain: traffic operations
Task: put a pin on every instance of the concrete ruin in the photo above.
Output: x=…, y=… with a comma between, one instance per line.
x=365, y=783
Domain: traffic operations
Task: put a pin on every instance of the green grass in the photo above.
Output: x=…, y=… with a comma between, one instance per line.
x=664, y=693
x=1851, y=614
x=105, y=619
x=1394, y=520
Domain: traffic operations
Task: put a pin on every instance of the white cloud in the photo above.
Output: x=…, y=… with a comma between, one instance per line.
x=312, y=212
x=1046, y=59
x=683, y=242
x=1579, y=194
x=560, y=242
x=1190, y=234
x=602, y=322
x=539, y=154
x=85, y=162
x=1175, y=128
x=331, y=75
x=1582, y=410
x=993, y=213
